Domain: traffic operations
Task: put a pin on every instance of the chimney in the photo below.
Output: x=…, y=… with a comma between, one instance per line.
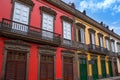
x=101, y=23
x=107, y=27
x=72, y=5
x=112, y=30
x=84, y=12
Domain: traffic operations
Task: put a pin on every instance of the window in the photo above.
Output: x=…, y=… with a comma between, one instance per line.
x=48, y=18
x=21, y=15
x=100, y=38
x=118, y=46
x=107, y=44
x=92, y=38
x=112, y=45
x=47, y=25
x=66, y=30
x=81, y=32
x=100, y=41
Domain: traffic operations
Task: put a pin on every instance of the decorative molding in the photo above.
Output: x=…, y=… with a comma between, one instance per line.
x=28, y=2
x=102, y=57
x=106, y=37
x=112, y=40
x=17, y=45
x=80, y=25
x=17, y=42
x=100, y=34
x=46, y=49
x=62, y=5
x=66, y=19
x=82, y=55
x=68, y=53
x=48, y=10
x=118, y=43
x=93, y=56
x=91, y=30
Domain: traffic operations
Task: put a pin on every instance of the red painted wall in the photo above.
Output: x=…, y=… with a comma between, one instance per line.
x=33, y=63
x=1, y=55
x=35, y=20
x=5, y=9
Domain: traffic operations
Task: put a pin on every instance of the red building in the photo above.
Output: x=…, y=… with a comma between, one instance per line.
x=35, y=41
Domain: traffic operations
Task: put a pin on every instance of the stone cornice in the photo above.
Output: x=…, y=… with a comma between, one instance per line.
x=60, y=4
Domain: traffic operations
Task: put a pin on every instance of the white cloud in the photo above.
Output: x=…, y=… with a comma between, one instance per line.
x=116, y=8
x=67, y=1
x=116, y=29
x=92, y=5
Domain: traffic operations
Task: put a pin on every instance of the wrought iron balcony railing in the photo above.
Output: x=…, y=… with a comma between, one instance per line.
x=68, y=44
x=81, y=46
x=97, y=49
x=74, y=45
x=22, y=31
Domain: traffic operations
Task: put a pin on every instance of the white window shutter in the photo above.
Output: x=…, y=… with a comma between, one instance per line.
x=66, y=30
x=21, y=14
x=82, y=35
x=47, y=24
x=93, y=38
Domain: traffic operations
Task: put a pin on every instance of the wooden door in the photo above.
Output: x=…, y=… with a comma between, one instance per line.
x=95, y=69
x=68, y=68
x=15, y=65
x=110, y=68
x=103, y=68
x=83, y=69
x=46, y=67
x=116, y=68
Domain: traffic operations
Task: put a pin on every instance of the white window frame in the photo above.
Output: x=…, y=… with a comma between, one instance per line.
x=20, y=27
x=82, y=35
x=47, y=32
x=67, y=35
x=113, y=46
x=107, y=44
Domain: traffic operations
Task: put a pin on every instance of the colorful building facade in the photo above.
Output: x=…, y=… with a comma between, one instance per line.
x=51, y=40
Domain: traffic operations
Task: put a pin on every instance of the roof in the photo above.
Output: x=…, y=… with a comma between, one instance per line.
x=62, y=5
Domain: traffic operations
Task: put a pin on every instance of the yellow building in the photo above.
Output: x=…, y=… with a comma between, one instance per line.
x=98, y=59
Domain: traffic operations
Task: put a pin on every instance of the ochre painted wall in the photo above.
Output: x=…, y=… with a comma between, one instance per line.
x=87, y=41
x=87, y=38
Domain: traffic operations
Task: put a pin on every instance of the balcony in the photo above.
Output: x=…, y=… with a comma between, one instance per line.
x=81, y=46
x=74, y=45
x=68, y=44
x=118, y=54
x=16, y=30
x=97, y=49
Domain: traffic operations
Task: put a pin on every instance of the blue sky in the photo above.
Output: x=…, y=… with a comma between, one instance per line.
x=107, y=11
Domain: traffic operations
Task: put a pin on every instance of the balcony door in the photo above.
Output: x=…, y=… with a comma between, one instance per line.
x=47, y=67
x=103, y=66
x=68, y=68
x=21, y=15
x=95, y=69
x=47, y=26
x=92, y=40
x=83, y=69
x=15, y=65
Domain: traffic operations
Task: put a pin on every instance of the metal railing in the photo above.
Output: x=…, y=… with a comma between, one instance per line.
x=29, y=31
x=97, y=49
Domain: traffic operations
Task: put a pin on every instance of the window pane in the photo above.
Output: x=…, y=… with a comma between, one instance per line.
x=66, y=30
